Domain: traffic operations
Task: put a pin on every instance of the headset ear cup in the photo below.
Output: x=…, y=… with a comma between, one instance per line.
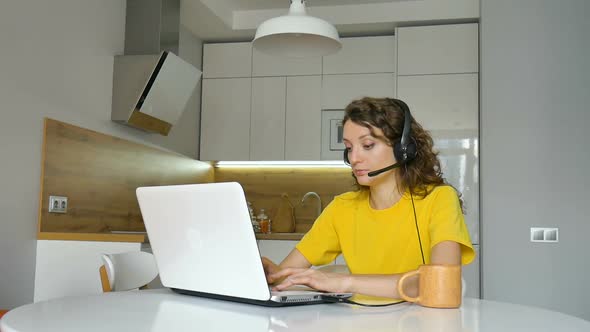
x=406, y=156
x=345, y=157
x=411, y=150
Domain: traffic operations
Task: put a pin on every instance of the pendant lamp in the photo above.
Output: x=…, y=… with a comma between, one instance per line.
x=297, y=34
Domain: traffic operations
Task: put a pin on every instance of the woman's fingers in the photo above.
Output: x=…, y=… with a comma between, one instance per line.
x=286, y=272
x=293, y=281
x=269, y=269
x=293, y=276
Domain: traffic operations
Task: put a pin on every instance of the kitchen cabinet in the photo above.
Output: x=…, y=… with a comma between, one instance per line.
x=303, y=118
x=225, y=119
x=227, y=60
x=437, y=49
x=285, y=123
x=360, y=55
x=339, y=90
x=266, y=118
x=70, y=268
x=281, y=118
x=270, y=65
x=442, y=102
x=267, y=123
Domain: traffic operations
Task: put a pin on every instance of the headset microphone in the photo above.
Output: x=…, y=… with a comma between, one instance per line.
x=385, y=169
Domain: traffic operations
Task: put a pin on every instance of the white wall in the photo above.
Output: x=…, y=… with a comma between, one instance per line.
x=535, y=96
x=56, y=61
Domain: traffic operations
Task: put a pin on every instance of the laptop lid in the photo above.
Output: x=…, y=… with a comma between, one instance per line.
x=203, y=240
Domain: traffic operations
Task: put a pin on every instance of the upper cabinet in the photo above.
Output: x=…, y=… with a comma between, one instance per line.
x=269, y=65
x=339, y=90
x=267, y=121
x=227, y=60
x=440, y=49
x=442, y=102
x=362, y=55
x=303, y=118
x=276, y=103
x=225, y=119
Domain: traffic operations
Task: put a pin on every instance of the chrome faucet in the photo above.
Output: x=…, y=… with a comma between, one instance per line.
x=313, y=193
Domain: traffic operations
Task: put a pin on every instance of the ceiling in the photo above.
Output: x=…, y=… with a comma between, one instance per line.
x=237, y=20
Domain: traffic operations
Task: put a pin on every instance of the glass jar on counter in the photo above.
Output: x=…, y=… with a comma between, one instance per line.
x=253, y=219
x=263, y=222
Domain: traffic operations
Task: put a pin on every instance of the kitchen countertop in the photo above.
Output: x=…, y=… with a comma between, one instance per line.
x=280, y=236
x=142, y=237
x=103, y=237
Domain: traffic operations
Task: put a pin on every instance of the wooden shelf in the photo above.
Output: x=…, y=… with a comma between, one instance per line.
x=280, y=236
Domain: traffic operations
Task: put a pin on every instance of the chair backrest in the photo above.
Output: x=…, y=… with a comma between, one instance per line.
x=126, y=271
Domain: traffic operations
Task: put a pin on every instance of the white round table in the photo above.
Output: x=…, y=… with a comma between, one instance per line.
x=163, y=310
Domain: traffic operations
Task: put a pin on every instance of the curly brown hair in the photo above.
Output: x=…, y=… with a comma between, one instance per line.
x=420, y=175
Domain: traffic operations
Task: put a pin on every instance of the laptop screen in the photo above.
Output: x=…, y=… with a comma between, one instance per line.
x=202, y=238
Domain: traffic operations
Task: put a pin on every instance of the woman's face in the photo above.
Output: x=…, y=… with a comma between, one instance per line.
x=366, y=152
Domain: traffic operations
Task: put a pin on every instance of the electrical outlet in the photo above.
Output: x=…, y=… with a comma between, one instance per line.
x=544, y=234
x=58, y=204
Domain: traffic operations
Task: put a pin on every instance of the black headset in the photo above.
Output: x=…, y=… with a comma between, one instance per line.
x=404, y=150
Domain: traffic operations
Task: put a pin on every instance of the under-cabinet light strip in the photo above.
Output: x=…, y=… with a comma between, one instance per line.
x=282, y=163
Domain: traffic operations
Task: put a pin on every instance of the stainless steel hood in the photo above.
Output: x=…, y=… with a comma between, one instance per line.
x=151, y=85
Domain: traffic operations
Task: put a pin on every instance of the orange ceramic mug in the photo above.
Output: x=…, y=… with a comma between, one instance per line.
x=439, y=286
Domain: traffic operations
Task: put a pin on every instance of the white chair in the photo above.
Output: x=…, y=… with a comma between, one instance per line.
x=126, y=271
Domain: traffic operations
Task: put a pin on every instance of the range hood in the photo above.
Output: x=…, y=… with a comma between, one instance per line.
x=151, y=84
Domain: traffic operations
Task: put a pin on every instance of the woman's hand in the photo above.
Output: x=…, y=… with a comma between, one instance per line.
x=316, y=279
x=270, y=268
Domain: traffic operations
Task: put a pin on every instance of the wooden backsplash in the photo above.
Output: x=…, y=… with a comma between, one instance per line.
x=264, y=186
x=99, y=174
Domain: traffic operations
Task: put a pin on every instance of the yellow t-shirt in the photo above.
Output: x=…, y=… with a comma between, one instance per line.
x=385, y=241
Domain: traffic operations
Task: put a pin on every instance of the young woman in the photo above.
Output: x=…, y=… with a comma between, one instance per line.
x=400, y=218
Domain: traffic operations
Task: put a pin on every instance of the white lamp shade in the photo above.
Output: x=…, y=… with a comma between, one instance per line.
x=297, y=35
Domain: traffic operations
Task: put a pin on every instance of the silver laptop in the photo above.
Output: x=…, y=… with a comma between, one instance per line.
x=204, y=244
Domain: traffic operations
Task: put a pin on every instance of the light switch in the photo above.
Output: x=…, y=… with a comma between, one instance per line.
x=544, y=234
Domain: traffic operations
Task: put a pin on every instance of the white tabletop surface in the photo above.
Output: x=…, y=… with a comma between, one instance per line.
x=163, y=310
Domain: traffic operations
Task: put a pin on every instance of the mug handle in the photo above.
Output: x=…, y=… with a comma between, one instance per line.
x=400, y=286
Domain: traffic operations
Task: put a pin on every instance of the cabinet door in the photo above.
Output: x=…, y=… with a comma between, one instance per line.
x=339, y=90
x=362, y=55
x=227, y=60
x=275, y=250
x=267, y=125
x=437, y=49
x=269, y=65
x=225, y=119
x=303, y=118
x=442, y=102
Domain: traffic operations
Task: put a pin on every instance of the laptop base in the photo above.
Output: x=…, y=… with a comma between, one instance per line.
x=268, y=303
